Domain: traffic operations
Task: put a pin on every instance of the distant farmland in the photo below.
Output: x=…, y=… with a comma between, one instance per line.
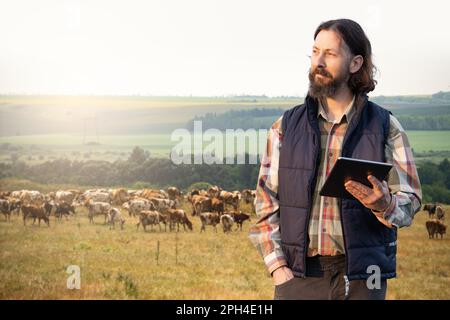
x=37, y=129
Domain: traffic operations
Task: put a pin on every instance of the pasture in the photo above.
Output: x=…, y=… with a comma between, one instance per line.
x=123, y=264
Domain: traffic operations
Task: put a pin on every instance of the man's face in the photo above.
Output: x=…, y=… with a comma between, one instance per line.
x=330, y=60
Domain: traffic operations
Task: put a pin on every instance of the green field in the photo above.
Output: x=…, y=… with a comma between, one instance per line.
x=41, y=128
x=123, y=264
x=40, y=148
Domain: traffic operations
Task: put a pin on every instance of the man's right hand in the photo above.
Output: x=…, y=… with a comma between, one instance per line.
x=282, y=275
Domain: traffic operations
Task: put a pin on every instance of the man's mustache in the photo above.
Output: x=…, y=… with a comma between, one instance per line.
x=322, y=72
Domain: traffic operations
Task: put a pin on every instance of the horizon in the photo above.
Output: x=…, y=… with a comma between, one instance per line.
x=265, y=96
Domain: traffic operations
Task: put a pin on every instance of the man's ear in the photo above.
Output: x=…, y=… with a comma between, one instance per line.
x=356, y=63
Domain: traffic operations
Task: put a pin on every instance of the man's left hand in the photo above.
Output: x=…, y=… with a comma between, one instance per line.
x=377, y=199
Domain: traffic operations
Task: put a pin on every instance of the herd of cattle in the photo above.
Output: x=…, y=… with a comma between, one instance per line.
x=435, y=225
x=155, y=207
x=152, y=207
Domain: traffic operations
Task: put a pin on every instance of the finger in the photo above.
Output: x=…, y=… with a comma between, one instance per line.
x=356, y=192
x=358, y=195
x=375, y=182
x=361, y=188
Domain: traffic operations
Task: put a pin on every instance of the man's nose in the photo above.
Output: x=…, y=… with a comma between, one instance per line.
x=320, y=62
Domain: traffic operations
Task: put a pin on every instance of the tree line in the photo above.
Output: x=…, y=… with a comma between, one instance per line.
x=262, y=118
x=142, y=171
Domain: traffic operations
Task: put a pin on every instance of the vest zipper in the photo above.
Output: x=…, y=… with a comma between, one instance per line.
x=347, y=285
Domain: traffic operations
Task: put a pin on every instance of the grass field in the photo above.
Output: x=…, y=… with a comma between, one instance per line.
x=122, y=264
x=40, y=148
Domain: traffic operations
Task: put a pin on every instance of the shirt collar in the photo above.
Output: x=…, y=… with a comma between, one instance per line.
x=348, y=113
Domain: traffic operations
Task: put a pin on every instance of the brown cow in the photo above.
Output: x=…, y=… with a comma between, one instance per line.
x=431, y=208
x=200, y=204
x=36, y=212
x=239, y=218
x=174, y=193
x=217, y=205
x=214, y=191
x=440, y=213
x=178, y=216
x=230, y=198
x=151, y=217
x=435, y=227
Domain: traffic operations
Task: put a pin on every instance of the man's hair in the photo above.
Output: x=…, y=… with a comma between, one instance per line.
x=354, y=37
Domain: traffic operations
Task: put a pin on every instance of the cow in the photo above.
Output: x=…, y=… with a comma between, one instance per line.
x=50, y=208
x=200, y=204
x=227, y=222
x=36, y=212
x=96, y=196
x=217, y=205
x=5, y=208
x=162, y=205
x=209, y=218
x=213, y=192
x=4, y=194
x=14, y=205
x=119, y=196
x=178, y=216
x=114, y=215
x=435, y=227
x=230, y=199
x=64, y=209
x=97, y=208
x=440, y=213
x=151, y=217
x=431, y=208
x=135, y=206
x=151, y=193
x=248, y=195
x=174, y=193
x=65, y=197
x=32, y=197
x=191, y=194
x=239, y=218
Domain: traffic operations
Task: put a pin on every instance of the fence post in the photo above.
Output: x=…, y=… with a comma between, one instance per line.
x=157, y=252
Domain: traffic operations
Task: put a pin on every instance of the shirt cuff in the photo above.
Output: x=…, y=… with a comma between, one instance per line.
x=388, y=211
x=383, y=217
x=275, y=260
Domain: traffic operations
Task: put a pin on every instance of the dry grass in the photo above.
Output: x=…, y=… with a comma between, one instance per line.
x=118, y=264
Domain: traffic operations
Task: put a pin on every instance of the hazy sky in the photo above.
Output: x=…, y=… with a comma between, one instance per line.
x=210, y=47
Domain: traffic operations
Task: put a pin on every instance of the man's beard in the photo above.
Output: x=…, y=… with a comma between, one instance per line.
x=319, y=89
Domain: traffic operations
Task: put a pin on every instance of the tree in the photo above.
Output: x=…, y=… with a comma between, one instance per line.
x=138, y=155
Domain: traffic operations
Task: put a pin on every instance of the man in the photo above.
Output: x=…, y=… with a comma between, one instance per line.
x=321, y=247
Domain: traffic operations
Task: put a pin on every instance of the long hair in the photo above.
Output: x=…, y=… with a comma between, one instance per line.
x=354, y=37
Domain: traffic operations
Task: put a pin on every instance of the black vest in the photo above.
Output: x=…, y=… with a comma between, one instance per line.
x=367, y=241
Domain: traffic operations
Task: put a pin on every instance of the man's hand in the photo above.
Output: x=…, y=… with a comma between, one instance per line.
x=377, y=199
x=282, y=275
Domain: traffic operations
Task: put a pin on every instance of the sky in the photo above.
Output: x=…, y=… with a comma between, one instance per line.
x=210, y=47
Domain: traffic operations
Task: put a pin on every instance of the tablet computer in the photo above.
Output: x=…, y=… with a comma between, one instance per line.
x=352, y=169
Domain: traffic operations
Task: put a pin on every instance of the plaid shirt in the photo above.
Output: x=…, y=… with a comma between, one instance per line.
x=325, y=229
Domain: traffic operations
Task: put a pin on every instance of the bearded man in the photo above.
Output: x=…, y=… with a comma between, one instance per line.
x=318, y=247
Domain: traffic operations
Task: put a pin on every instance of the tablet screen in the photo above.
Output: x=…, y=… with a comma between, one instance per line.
x=352, y=169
